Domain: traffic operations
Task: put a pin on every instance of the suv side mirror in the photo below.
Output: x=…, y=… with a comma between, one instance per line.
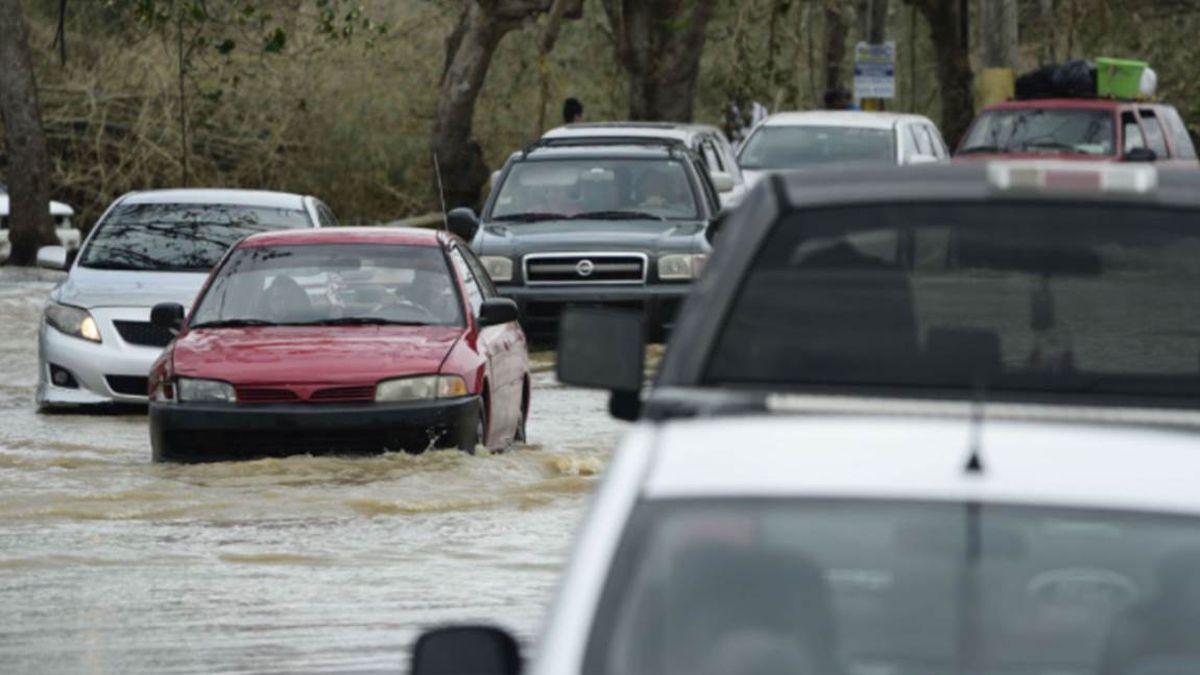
x=463, y=222
x=603, y=348
x=458, y=650
x=1140, y=155
x=722, y=181
x=52, y=258
x=497, y=311
x=168, y=315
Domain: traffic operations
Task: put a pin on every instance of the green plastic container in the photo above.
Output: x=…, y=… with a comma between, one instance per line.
x=1119, y=78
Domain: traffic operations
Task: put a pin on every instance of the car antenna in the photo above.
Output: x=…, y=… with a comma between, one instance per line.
x=437, y=171
x=975, y=459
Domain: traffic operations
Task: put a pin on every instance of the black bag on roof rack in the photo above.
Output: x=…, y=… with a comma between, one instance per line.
x=1073, y=79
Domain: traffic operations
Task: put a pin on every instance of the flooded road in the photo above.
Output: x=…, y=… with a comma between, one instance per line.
x=300, y=565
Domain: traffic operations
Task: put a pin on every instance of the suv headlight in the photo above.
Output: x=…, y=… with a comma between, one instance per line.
x=498, y=268
x=192, y=390
x=74, y=321
x=681, y=266
x=424, y=388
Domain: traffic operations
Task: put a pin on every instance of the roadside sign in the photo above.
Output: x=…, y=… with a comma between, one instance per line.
x=875, y=70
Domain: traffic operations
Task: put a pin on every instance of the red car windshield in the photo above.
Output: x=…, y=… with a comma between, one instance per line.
x=1049, y=130
x=331, y=284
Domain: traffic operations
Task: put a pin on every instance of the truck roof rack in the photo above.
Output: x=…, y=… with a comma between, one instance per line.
x=584, y=141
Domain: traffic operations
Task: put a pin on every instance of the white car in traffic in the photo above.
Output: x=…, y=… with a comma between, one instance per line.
x=707, y=142
x=803, y=140
x=96, y=343
x=60, y=213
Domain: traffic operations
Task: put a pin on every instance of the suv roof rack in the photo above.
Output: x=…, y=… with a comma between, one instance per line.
x=583, y=141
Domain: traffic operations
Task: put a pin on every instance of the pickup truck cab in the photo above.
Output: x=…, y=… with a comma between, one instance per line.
x=1079, y=129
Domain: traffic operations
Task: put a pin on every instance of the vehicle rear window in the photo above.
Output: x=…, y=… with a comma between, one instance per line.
x=1049, y=130
x=794, y=147
x=856, y=587
x=654, y=189
x=179, y=237
x=1055, y=298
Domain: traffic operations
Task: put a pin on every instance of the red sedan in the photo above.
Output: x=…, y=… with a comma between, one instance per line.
x=340, y=340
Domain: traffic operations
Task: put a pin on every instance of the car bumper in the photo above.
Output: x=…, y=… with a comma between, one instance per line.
x=230, y=431
x=541, y=306
x=112, y=371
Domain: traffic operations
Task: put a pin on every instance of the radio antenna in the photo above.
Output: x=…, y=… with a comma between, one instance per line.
x=437, y=171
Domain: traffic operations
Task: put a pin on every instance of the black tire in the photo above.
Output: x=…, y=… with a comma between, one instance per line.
x=520, y=437
x=476, y=436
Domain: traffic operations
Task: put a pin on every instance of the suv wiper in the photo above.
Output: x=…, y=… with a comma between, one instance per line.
x=359, y=321
x=616, y=215
x=980, y=148
x=1053, y=145
x=530, y=217
x=233, y=323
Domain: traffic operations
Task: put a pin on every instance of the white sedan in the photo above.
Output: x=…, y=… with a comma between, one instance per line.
x=911, y=539
x=62, y=215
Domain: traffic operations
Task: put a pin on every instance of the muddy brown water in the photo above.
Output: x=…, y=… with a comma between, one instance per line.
x=109, y=563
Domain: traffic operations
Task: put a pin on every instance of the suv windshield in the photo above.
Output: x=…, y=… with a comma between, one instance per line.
x=331, y=284
x=795, y=147
x=1051, y=298
x=626, y=189
x=1080, y=131
x=179, y=237
x=861, y=587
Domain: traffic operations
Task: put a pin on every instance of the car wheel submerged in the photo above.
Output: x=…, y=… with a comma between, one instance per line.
x=476, y=437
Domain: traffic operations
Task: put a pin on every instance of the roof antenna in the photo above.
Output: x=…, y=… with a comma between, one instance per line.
x=437, y=171
x=975, y=459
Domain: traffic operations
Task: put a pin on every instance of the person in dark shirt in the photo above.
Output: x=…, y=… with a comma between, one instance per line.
x=572, y=111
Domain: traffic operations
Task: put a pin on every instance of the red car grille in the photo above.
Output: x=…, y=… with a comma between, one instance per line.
x=265, y=395
x=364, y=393
x=327, y=395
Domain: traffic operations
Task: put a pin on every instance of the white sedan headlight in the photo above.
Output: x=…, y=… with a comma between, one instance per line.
x=192, y=390
x=498, y=268
x=74, y=321
x=424, y=388
x=681, y=266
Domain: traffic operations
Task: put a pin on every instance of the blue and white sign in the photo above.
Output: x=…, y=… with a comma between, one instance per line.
x=875, y=70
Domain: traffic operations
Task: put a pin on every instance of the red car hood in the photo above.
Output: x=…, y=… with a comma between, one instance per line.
x=1071, y=156
x=282, y=355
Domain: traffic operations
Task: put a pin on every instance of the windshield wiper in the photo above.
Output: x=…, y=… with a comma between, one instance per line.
x=530, y=217
x=1053, y=145
x=359, y=321
x=616, y=215
x=233, y=323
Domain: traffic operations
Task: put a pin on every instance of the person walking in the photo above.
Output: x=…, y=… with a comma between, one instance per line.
x=572, y=111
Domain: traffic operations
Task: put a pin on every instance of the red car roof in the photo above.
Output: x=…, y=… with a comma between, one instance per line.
x=1079, y=103
x=400, y=236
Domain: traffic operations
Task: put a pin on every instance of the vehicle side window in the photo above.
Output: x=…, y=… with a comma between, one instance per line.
x=1131, y=131
x=1155, y=137
x=921, y=140
x=725, y=151
x=474, y=292
x=908, y=142
x=1179, y=133
x=481, y=275
x=712, y=158
x=710, y=193
x=325, y=216
x=935, y=141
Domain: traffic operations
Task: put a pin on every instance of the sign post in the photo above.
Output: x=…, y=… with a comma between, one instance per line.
x=874, y=74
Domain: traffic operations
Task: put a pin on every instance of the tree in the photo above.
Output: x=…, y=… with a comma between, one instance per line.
x=659, y=44
x=947, y=21
x=469, y=49
x=30, y=226
x=836, y=29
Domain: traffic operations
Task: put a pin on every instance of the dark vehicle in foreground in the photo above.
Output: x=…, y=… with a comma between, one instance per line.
x=346, y=340
x=618, y=222
x=925, y=420
x=1093, y=129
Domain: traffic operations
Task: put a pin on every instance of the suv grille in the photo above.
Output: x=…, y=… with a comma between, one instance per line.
x=143, y=333
x=585, y=268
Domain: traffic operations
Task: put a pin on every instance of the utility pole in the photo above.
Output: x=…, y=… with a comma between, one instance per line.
x=999, y=49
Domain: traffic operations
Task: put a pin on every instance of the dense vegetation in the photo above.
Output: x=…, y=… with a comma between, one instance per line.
x=339, y=98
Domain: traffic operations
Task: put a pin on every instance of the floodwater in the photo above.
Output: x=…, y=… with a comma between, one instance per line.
x=109, y=563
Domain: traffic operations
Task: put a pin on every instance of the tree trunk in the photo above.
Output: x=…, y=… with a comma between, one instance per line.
x=878, y=28
x=481, y=27
x=659, y=43
x=998, y=33
x=953, y=66
x=837, y=27
x=30, y=226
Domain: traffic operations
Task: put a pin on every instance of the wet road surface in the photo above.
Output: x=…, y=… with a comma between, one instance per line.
x=300, y=565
